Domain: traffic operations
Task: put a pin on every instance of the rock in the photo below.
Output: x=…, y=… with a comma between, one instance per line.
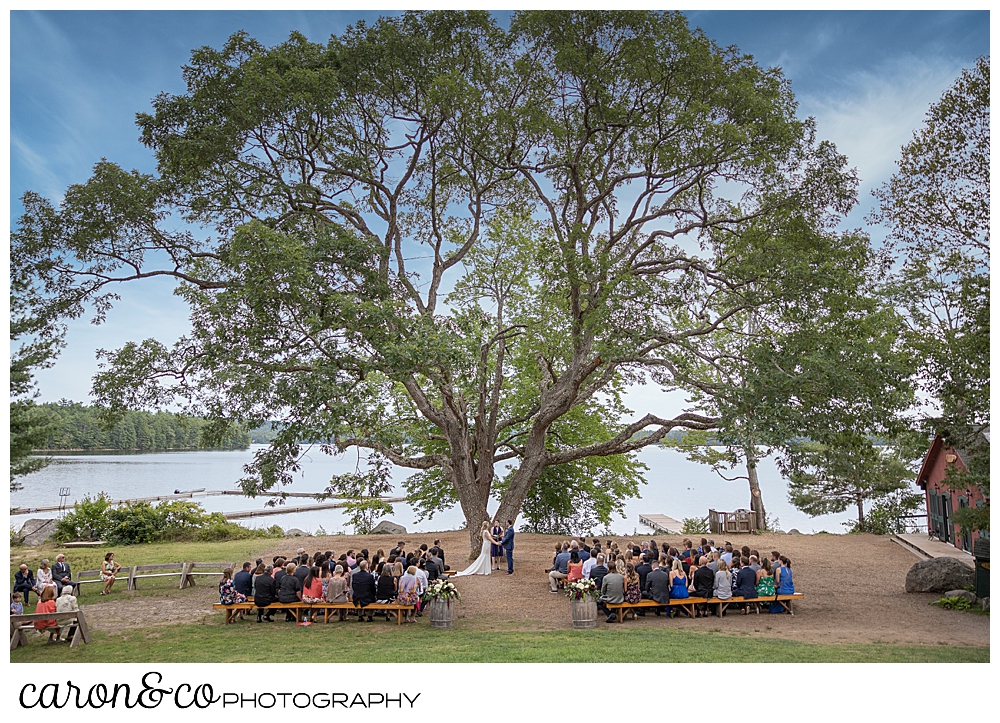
x=36, y=531
x=385, y=527
x=295, y=532
x=970, y=596
x=986, y=604
x=793, y=531
x=939, y=574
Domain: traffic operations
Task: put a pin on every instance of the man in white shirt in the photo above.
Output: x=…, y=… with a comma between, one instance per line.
x=588, y=565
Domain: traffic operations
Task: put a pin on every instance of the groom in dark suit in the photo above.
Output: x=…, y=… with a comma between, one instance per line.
x=507, y=543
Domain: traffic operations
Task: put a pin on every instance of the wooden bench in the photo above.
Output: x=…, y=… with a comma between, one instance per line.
x=190, y=569
x=297, y=608
x=20, y=623
x=687, y=603
x=86, y=577
x=169, y=569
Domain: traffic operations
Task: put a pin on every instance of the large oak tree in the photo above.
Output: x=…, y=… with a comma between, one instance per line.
x=451, y=244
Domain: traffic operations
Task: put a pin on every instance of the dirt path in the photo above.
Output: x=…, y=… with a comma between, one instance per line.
x=834, y=571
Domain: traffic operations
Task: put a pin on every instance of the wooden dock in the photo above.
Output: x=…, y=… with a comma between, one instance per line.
x=662, y=523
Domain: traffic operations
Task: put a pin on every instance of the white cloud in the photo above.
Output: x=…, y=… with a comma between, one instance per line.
x=871, y=114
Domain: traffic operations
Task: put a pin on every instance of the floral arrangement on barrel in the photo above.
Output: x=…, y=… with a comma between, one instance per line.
x=582, y=589
x=442, y=590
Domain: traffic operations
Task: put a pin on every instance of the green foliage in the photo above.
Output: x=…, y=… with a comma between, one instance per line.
x=78, y=426
x=86, y=521
x=694, y=526
x=363, y=490
x=884, y=516
x=954, y=603
x=850, y=471
x=609, y=194
x=15, y=538
x=937, y=210
x=136, y=523
x=34, y=345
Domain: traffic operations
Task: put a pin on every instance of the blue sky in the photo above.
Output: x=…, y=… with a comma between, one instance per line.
x=78, y=78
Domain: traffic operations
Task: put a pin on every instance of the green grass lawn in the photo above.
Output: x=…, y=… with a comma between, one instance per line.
x=379, y=642
x=90, y=558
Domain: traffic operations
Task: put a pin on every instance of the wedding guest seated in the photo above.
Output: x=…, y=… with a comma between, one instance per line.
x=24, y=582
x=363, y=587
x=66, y=603
x=336, y=589
x=407, y=592
x=727, y=555
x=723, y=583
x=289, y=589
x=765, y=581
x=385, y=587
x=560, y=568
x=228, y=594
x=17, y=604
x=598, y=571
x=243, y=580
x=440, y=553
x=783, y=583
x=746, y=583
x=703, y=584
x=657, y=586
x=43, y=578
x=583, y=554
x=633, y=593
x=61, y=573
x=312, y=589
x=644, y=567
x=47, y=604
x=574, y=568
x=678, y=583
x=589, y=563
x=265, y=593
x=612, y=591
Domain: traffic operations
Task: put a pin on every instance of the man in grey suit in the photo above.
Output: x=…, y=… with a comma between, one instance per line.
x=658, y=585
x=612, y=591
x=61, y=574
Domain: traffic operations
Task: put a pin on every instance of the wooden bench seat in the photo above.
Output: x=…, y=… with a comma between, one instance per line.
x=687, y=603
x=297, y=608
x=20, y=623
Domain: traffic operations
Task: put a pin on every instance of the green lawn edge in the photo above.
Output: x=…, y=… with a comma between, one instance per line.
x=380, y=642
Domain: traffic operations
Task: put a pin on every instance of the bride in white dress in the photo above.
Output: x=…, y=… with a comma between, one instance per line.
x=483, y=563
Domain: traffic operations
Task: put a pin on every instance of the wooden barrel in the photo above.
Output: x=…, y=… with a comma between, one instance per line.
x=442, y=613
x=584, y=613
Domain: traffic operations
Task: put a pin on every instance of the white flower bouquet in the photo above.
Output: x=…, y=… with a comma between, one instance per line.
x=582, y=589
x=441, y=590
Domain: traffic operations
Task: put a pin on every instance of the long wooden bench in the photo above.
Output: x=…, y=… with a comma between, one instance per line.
x=168, y=569
x=20, y=623
x=687, y=603
x=191, y=569
x=297, y=608
x=86, y=577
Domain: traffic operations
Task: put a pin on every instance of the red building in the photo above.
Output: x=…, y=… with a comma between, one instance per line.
x=942, y=500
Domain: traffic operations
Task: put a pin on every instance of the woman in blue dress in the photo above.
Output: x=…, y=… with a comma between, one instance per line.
x=678, y=583
x=783, y=583
x=496, y=551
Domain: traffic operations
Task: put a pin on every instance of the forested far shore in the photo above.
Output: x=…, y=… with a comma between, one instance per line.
x=77, y=427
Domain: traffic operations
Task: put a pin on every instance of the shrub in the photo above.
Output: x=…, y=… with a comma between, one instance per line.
x=695, y=526
x=87, y=521
x=954, y=603
x=15, y=537
x=225, y=530
x=886, y=515
x=133, y=523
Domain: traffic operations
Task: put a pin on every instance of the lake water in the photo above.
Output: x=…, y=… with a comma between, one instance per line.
x=675, y=487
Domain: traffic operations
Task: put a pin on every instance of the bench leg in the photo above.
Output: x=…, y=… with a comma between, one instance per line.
x=77, y=637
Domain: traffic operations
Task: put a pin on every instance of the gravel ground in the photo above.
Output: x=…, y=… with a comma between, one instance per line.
x=854, y=587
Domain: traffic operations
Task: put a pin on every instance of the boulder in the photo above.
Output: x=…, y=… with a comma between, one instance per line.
x=939, y=574
x=986, y=604
x=793, y=531
x=385, y=527
x=970, y=596
x=36, y=531
x=295, y=532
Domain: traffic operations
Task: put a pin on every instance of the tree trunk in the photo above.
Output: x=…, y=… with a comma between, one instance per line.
x=861, y=511
x=759, y=516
